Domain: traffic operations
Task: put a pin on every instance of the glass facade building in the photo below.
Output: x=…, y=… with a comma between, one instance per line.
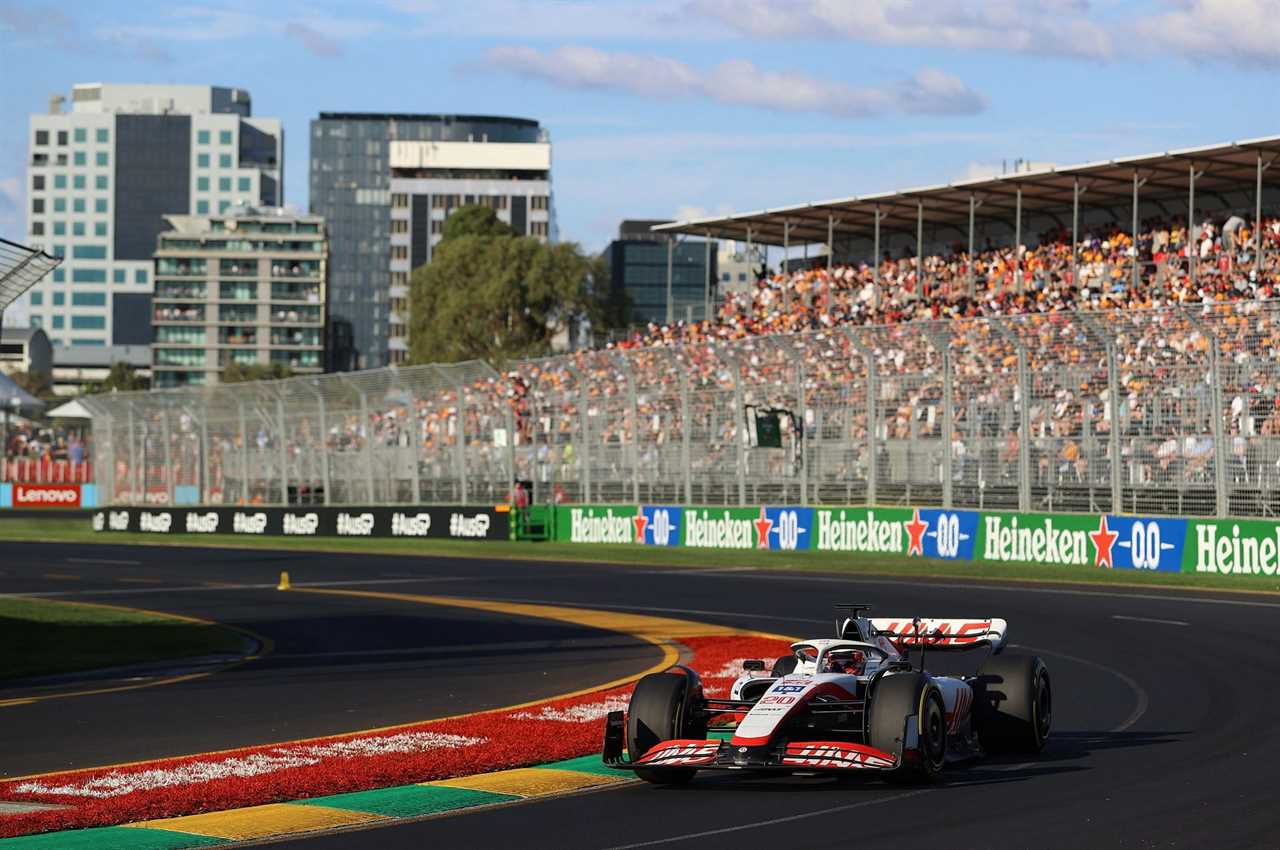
x=637, y=263
x=357, y=168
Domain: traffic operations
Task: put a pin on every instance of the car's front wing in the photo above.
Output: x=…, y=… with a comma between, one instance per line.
x=805, y=756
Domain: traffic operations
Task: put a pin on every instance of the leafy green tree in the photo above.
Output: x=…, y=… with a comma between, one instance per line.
x=121, y=377
x=497, y=297
x=235, y=373
x=39, y=384
x=473, y=220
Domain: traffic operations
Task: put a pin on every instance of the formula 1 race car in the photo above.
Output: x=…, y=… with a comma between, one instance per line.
x=852, y=703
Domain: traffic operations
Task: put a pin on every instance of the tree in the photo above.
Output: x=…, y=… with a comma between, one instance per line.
x=122, y=377
x=473, y=220
x=39, y=384
x=235, y=373
x=497, y=297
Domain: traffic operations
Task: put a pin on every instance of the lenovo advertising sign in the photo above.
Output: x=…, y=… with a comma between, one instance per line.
x=46, y=495
x=460, y=522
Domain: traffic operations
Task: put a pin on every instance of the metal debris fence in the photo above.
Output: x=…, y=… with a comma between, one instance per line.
x=1168, y=411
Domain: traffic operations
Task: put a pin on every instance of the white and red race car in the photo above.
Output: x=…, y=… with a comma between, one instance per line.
x=856, y=702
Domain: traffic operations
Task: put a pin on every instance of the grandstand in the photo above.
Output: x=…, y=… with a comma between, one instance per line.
x=1092, y=367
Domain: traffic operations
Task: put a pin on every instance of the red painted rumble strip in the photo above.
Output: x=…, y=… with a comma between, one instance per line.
x=479, y=743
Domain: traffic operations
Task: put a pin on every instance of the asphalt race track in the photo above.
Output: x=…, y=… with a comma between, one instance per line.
x=1164, y=731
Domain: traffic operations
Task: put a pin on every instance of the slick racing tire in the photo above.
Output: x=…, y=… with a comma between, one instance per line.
x=1013, y=704
x=662, y=709
x=894, y=698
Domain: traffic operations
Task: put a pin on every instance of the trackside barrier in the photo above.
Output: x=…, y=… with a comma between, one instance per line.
x=1107, y=541
x=33, y=495
x=461, y=522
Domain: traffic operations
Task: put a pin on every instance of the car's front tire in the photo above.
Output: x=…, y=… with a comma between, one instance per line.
x=893, y=699
x=662, y=709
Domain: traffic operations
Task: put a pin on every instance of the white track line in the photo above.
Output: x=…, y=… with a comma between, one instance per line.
x=1150, y=620
x=102, y=561
x=1142, y=700
x=689, y=836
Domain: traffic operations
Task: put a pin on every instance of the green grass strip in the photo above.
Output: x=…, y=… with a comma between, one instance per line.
x=43, y=637
x=79, y=531
x=585, y=764
x=408, y=801
x=109, y=838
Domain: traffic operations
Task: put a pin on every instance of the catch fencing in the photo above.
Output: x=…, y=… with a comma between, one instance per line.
x=1159, y=412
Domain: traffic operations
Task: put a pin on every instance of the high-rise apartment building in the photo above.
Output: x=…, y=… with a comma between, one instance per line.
x=103, y=174
x=246, y=288
x=384, y=184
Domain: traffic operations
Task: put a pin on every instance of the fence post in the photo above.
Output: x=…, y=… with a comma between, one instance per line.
x=206, y=487
x=511, y=447
x=947, y=426
x=685, y=460
x=284, y=450
x=324, y=443
x=635, y=435
x=1024, y=431
x=1113, y=395
x=244, y=456
x=873, y=423
x=168, y=454
x=1221, y=454
x=737, y=417
x=800, y=434
x=368, y=443
x=459, y=449
x=585, y=434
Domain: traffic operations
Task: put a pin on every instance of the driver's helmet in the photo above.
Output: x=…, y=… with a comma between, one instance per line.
x=848, y=661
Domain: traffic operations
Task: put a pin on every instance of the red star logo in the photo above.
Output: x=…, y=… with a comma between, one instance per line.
x=1103, y=539
x=762, y=530
x=915, y=530
x=640, y=522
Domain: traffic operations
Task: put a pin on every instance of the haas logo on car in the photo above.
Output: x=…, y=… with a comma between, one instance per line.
x=682, y=754
x=46, y=496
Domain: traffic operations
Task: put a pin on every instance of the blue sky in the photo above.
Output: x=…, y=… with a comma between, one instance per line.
x=687, y=107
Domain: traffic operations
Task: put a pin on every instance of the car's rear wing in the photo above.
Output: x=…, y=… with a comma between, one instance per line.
x=942, y=634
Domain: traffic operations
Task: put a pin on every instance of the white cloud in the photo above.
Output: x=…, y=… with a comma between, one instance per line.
x=632, y=147
x=1244, y=32
x=1056, y=27
x=559, y=19
x=735, y=81
x=319, y=33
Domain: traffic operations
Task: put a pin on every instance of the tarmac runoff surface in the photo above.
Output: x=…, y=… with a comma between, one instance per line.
x=1162, y=700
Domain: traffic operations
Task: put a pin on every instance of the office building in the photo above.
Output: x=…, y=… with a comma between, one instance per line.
x=384, y=184
x=25, y=350
x=79, y=368
x=104, y=172
x=637, y=262
x=246, y=288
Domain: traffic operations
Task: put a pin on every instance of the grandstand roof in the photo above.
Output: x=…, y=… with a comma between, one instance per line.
x=1103, y=183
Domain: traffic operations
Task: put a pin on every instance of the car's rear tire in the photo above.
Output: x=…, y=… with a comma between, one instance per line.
x=893, y=699
x=661, y=709
x=1013, y=704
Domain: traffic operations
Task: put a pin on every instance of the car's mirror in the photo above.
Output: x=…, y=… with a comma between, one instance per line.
x=752, y=665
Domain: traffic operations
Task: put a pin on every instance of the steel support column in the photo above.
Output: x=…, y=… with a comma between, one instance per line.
x=831, y=241
x=584, y=428
x=284, y=452
x=368, y=444
x=1114, y=424
x=204, y=456
x=1257, y=220
x=873, y=424
x=1019, y=282
x=706, y=268
x=685, y=459
x=971, y=283
x=671, y=307
x=875, y=262
x=459, y=448
x=1136, y=277
x=244, y=456
x=634, y=409
x=786, y=267
x=922, y=290
x=166, y=435
x=798, y=434
x=132, y=473
x=1192, y=247
x=1075, y=232
x=948, y=418
x=324, y=446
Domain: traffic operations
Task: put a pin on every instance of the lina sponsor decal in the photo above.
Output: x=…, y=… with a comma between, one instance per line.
x=1235, y=548
x=410, y=525
x=355, y=525
x=461, y=525
x=596, y=525
x=305, y=525
x=720, y=529
x=46, y=495
x=202, y=523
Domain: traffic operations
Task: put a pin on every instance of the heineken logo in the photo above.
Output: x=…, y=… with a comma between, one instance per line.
x=587, y=526
x=1038, y=541
x=1247, y=553
x=706, y=530
x=865, y=534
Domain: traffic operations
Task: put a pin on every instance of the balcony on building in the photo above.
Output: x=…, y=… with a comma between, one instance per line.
x=174, y=267
x=238, y=268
